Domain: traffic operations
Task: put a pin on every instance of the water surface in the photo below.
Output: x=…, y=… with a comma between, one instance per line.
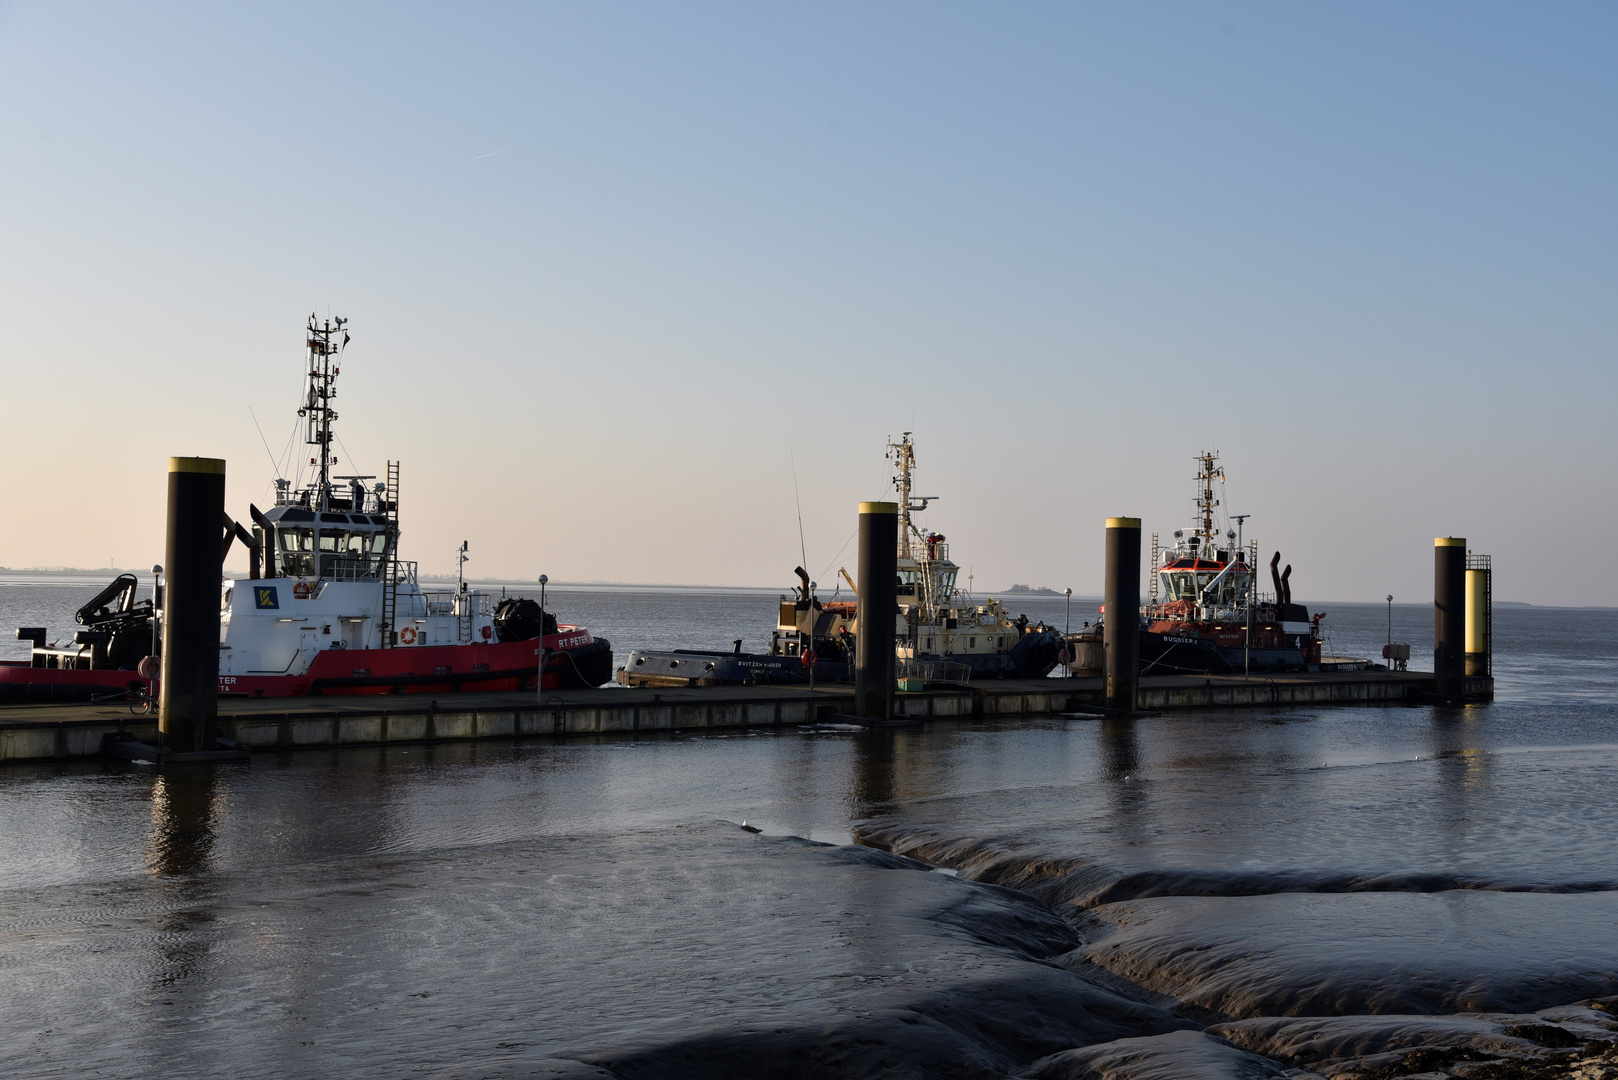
x=550, y=907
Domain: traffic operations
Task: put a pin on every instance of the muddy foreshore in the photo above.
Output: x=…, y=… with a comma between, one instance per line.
x=1330, y=974
x=709, y=950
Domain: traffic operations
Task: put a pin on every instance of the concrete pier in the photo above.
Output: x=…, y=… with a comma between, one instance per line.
x=43, y=732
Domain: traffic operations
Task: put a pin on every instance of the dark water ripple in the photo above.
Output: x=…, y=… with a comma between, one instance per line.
x=549, y=908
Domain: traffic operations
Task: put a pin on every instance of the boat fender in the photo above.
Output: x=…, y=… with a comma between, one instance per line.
x=408, y=635
x=488, y=632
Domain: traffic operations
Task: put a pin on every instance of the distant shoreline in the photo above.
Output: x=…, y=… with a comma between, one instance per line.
x=1008, y=594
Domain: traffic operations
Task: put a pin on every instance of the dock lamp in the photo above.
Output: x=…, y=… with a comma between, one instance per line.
x=1390, y=618
x=157, y=606
x=811, y=657
x=1067, y=631
x=544, y=650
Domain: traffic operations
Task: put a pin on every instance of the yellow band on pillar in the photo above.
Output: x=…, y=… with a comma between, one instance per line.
x=1449, y=541
x=879, y=508
x=1123, y=523
x=197, y=464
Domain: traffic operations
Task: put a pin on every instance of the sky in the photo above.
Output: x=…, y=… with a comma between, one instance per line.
x=635, y=287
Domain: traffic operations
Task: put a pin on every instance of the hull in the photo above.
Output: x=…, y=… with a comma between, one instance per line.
x=23, y=684
x=1193, y=650
x=693, y=667
x=1034, y=656
x=437, y=669
x=577, y=661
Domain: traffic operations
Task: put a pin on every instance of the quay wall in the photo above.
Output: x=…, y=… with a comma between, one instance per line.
x=45, y=733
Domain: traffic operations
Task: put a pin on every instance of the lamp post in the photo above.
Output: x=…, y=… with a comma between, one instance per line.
x=1247, y=638
x=813, y=655
x=1067, y=632
x=544, y=650
x=1390, y=620
x=157, y=615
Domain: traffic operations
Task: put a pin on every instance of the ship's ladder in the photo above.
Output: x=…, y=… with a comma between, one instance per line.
x=390, y=572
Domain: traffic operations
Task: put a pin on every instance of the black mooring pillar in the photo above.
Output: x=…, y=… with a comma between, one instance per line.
x=878, y=605
x=1121, y=623
x=193, y=556
x=1449, y=616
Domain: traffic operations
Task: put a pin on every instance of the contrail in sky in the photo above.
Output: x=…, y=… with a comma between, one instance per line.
x=497, y=153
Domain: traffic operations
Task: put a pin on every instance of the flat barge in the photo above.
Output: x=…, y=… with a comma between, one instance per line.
x=46, y=732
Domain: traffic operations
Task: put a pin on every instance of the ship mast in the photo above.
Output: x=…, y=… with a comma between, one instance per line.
x=325, y=353
x=903, y=454
x=1207, y=472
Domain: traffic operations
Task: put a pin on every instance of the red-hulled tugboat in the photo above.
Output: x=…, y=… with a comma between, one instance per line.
x=328, y=608
x=1205, y=615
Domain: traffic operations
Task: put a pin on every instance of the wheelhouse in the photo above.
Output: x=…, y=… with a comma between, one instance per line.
x=328, y=544
x=1220, y=582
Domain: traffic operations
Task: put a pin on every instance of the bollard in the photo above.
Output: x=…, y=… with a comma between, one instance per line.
x=193, y=554
x=1479, y=617
x=878, y=604
x=1121, y=624
x=1449, y=616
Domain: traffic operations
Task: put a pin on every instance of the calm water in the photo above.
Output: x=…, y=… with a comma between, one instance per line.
x=580, y=907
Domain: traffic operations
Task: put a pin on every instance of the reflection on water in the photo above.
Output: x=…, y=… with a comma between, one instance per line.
x=1120, y=747
x=182, y=821
x=1504, y=789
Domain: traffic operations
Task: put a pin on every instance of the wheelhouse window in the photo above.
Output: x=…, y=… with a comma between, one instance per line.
x=349, y=554
x=297, y=551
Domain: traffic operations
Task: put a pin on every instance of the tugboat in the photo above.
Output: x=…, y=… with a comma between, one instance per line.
x=328, y=606
x=1204, y=615
x=941, y=633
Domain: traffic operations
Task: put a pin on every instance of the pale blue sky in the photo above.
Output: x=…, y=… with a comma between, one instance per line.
x=610, y=267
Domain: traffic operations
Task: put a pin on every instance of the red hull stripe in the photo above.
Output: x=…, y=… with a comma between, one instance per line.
x=415, y=669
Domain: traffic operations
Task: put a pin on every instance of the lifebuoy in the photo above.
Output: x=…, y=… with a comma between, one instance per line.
x=408, y=635
x=301, y=590
x=810, y=658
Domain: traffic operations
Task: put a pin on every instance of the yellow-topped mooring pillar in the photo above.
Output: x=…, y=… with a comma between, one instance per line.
x=1449, y=616
x=874, y=632
x=1479, y=617
x=1120, y=634
x=193, y=559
